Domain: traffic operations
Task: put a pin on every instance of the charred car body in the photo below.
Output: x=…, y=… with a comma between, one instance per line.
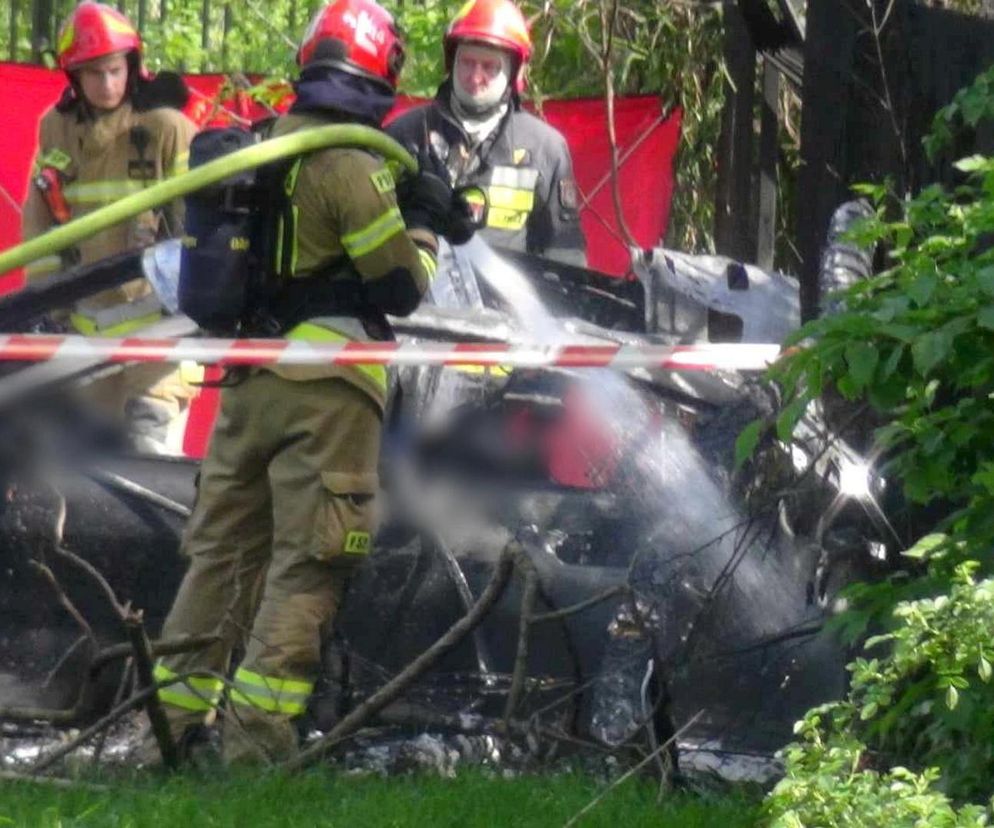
x=606, y=479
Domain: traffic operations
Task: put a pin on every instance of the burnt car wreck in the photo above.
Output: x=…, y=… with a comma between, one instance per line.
x=670, y=592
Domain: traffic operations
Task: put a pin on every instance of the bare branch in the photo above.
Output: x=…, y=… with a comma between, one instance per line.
x=65, y=601
x=160, y=647
x=119, y=609
x=386, y=694
x=528, y=596
x=143, y=672
x=575, y=609
x=632, y=771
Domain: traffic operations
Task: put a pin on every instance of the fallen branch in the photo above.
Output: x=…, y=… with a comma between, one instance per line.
x=528, y=595
x=160, y=647
x=632, y=771
x=56, y=716
x=83, y=564
x=143, y=672
x=574, y=609
x=65, y=601
x=390, y=691
x=137, y=700
x=133, y=624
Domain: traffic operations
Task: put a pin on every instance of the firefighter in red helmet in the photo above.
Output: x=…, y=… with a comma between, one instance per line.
x=115, y=130
x=478, y=130
x=287, y=489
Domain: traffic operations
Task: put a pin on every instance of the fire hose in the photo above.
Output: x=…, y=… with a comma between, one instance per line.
x=274, y=149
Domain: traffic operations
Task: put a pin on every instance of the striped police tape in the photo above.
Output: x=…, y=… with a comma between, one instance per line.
x=701, y=357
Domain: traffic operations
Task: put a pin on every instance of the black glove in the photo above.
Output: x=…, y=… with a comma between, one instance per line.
x=425, y=200
x=462, y=224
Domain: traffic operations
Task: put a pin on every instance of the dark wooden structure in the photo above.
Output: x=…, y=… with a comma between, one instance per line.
x=762, y=49
x=872, y=74
x=864, y=119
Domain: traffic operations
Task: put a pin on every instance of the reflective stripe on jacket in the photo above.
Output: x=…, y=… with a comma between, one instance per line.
x=345, y=209
x=100, y=161
x=524, y=166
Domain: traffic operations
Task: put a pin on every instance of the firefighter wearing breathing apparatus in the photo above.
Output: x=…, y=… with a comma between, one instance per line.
x=286, y=492
x=477, y=129
x=114, y=131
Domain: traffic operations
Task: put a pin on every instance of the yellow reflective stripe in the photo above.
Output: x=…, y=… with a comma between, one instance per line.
x=272, y=684
x=374, y=234
x=509, y=207
x=197, y=693
x=489, y=370
x=43, y=267
x=98, y=192
x=284, y=233
x=88, y=327
x=507, y=219
x=269, y=693
x=249, y=698
x=428, y=262
x=511, y=198
x=290, y=182
x=318, y=333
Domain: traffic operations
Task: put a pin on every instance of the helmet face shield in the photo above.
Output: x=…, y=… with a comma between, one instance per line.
x=93, y=31
x=356, y=36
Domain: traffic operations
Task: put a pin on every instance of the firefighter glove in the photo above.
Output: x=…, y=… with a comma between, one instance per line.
x=462, y=222
x=425, y=200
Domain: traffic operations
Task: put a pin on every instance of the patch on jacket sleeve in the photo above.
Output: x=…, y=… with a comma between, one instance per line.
x=569, y=197
x=56, y=158
x=382, y=181
x=520, y=156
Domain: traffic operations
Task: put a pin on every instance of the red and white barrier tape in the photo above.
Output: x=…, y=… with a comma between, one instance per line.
x=704, y=357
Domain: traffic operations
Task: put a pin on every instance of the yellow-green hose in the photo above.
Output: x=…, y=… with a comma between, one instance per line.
x=275, y=149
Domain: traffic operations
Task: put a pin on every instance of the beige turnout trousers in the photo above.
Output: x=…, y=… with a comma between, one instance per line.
x=284, y=510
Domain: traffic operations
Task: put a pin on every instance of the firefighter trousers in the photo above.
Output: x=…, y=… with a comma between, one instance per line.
x=284, y=511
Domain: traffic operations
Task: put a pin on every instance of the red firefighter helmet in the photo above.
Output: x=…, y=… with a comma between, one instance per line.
x=356, y=36
x=92, y=31
x=498, y=23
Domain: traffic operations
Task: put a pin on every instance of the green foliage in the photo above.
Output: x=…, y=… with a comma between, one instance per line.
x=827, y=784
x=667, y=47
x=926, y=701
x=915, y=343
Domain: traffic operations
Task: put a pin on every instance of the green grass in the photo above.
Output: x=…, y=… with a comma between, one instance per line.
x=321, y=798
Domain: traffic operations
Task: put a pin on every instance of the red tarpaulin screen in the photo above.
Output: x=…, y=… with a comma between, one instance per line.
x=647, y=142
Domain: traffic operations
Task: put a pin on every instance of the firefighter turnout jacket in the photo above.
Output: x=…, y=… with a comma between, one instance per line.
x=347, y=213
x=524, y=166
x=99, y=160
x=287, y=490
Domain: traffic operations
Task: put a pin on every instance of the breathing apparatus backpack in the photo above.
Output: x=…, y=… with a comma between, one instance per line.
x=234, y=259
